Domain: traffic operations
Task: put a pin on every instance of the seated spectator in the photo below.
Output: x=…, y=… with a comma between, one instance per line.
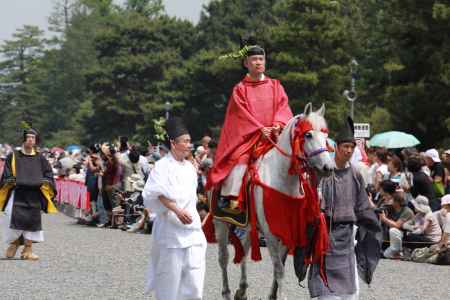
x=424, y=227
x=398, y=215
x=203, y=170
x=395, y=168
x=203, y=210
x=421, y=183
x=386, y=194
x=76, y=173
x=382, y=172
x=146, y=218
x=443, y=218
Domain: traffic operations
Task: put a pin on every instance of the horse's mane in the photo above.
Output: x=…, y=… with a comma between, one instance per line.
x=317, y=121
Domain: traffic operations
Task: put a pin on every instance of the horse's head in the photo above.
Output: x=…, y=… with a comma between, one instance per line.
x=309, y=141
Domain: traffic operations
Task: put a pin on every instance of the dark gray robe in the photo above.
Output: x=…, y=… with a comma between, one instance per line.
x=345, y=204
x=31, y=171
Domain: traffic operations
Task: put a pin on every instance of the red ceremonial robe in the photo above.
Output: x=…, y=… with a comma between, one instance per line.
x=252, y=106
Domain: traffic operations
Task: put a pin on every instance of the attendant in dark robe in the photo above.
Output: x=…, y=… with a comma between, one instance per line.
x=345, y=204
x=26, y=189
x=258, y=106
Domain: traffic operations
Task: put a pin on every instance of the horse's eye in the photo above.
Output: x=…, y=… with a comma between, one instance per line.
x=308, y=135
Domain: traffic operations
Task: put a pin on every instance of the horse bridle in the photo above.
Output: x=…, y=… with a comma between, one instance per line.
x=306, y=155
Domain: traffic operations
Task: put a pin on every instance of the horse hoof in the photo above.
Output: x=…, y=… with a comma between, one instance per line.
x=226, y=295
x=240, y=295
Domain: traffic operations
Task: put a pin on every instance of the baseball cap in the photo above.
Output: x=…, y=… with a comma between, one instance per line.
x=433, y=154
x=445, y=199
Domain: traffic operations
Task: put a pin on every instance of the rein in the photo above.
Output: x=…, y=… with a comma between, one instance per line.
x=307, y=211
x=299, y=135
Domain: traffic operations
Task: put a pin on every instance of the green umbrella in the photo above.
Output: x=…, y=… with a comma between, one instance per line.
x=393, y=139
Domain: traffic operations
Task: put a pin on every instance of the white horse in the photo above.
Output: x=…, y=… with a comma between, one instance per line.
x=273, y=171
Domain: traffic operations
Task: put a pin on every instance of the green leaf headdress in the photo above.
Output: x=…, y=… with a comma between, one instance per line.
x=245, y=52
x=28, y=129
x=24, y=125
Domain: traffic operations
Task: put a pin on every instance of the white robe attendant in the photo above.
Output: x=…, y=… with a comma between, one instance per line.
x=177, y=264
x=10, y=235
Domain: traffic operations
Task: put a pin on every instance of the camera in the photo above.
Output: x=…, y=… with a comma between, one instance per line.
x=381, y=209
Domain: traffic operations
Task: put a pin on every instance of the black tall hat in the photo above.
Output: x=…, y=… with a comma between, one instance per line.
x=30, y=131
x=252, y=46
x=347, y=133
x=175, y=127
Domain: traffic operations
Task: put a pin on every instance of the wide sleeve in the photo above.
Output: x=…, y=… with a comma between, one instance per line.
x=157, y=185
x=47, y=173
x=364, y=212
x=145, y=166
x=7, y=182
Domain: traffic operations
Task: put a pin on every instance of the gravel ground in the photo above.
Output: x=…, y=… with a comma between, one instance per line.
x=79, y=262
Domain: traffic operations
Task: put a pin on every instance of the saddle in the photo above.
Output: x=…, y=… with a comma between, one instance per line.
x=223, y=210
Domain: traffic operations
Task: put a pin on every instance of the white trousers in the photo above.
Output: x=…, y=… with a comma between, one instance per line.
x=231, y=186
x=10, y=235
x=177, y=273
x=395, y=243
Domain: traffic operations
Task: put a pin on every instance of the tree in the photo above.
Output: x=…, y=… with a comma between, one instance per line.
x=209, y=79
x=148, y=8
x=311, y=54
x=132, y=82
x=19, y=70
x=418, y=91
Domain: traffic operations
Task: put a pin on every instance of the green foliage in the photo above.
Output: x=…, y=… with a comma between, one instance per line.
x=310, y=54
x=160, y=131
x=111, y=68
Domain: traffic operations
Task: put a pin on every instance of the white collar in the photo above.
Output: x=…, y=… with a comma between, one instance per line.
x=172, y=158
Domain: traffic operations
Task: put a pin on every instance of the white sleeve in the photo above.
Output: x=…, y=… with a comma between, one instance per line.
x=446, y=227
x=156, y=185
x=144, y=165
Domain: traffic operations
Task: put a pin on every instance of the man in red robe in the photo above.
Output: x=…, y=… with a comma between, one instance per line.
x=257, y=107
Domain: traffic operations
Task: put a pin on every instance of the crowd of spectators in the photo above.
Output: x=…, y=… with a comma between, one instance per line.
x=410, y=191
x=115, y=175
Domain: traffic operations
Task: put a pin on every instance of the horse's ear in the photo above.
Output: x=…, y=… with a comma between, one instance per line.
x=308, y=109
x=321, y=111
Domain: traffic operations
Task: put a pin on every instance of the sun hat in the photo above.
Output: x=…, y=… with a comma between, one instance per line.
x=421, y=204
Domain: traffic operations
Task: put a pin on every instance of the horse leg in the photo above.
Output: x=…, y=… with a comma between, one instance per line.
x=241, y=293
x=274, y=245
x=278, y=253
x=222, y=231
x=275, y=287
